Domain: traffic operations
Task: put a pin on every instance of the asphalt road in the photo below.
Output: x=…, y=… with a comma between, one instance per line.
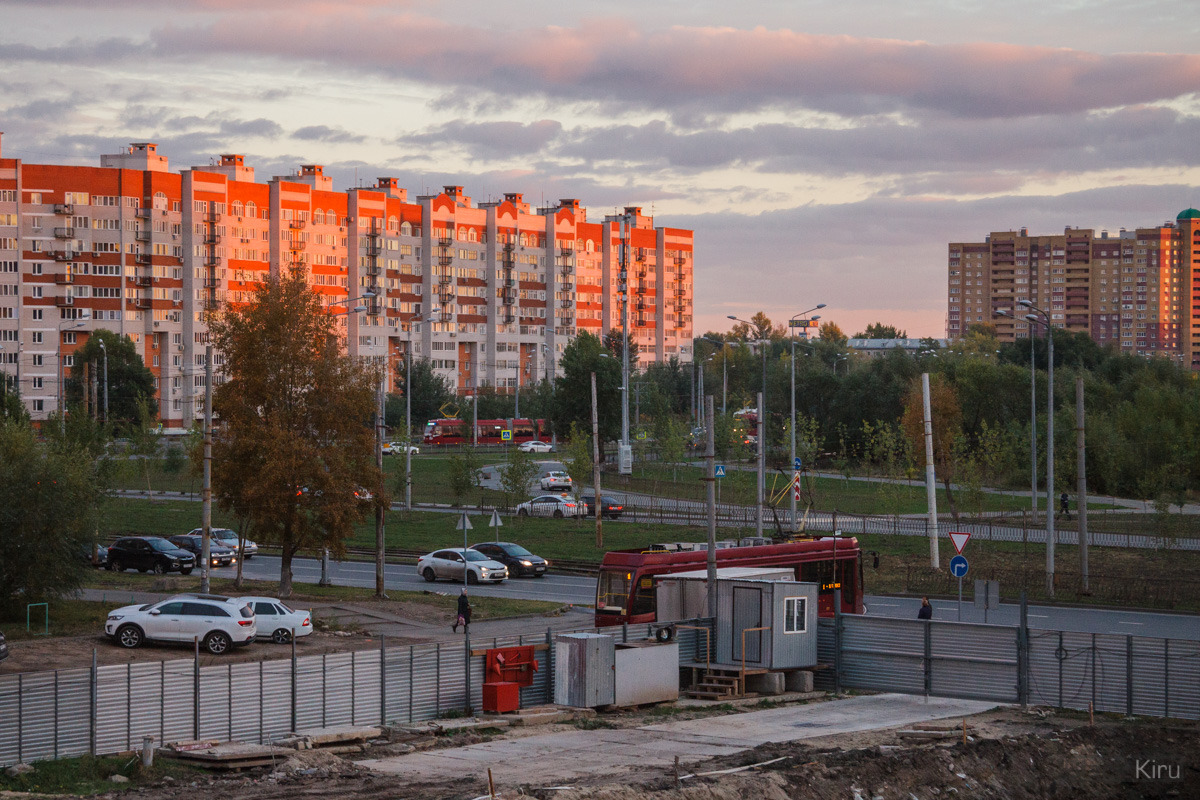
x=581, y=590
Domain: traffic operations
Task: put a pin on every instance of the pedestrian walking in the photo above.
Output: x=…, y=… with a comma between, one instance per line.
x=464, y=612
x=926, y=611
x=1064, y=506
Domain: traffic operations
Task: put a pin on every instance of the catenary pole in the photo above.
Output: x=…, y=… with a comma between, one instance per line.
x=930, y=478
x=206, y=491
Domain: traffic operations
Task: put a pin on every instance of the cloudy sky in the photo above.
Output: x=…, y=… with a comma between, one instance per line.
x=823, y=150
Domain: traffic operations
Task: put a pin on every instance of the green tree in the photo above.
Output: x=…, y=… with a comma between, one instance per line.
x=145, y=441
x=295, y=439
x=671, y=436
x=430, y=391
x=578, y=459
x=464, y=473
x=49, y=499
x=516, y=475
x=131, y=388
x=877, y=330
x=11, y=407
x=573, y=391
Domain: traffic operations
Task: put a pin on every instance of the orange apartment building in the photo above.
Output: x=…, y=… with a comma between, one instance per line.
x=490, y=293
x=1138, y=290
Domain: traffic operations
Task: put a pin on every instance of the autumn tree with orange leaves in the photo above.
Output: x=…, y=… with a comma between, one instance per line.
x=293, y=438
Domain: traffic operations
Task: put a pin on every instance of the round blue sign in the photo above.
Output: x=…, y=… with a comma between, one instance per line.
x=958, y=566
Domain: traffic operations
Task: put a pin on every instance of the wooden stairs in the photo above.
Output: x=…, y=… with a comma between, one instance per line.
x=718, y=683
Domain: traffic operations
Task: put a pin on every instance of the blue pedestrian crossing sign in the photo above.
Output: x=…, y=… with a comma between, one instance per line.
x=958, y=566
x=506, y=436
x=798, y=465
x=720, y=471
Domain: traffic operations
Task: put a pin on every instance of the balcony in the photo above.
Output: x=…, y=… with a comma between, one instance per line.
x=680, y=261
x=64, y=301
x=296, y=244
x=64, y=208
x=445, y=242
x=297, y=224
x=374, y=249
x=142, y=236
x=64, y=255
x=212, y=261
x=212, y=215
x=141, y=258
x=143, y=280
x=64, y=278
x=64, y=233
x=212, y=282
x=143, y=213
x=143, y=303
x=212, y=238
x=373, y=270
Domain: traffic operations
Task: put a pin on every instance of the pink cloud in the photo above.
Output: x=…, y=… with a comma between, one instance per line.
x=612, y=61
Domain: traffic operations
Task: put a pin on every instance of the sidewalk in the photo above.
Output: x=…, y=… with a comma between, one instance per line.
x=568, y=755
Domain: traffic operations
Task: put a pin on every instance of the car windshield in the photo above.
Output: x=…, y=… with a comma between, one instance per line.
x=475, y=555
x=161, y=545
x=516, y=550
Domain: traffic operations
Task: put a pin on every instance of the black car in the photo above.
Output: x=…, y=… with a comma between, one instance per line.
x=149, y=553
x=3, y=647
x=609, y=507
x=518, y=560
x=85, y=554
x=218, y=554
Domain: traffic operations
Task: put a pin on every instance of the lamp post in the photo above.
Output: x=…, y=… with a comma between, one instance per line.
x=62, y=394
x=724, y=370
x=762, y=432
x=1033, y=492
x=803, y=314
x=104, y=350
x=418, y=319
x=1041, y=317
x=325, y=580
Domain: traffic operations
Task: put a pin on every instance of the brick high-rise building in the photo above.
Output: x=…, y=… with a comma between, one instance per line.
x=498, y=288
x=1138, y=290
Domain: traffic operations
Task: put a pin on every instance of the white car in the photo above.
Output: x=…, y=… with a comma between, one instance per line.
x=551, y=505
x=448, y=563
x=229, y=538
x=556, y=480
x=276, y=620
x=219, y=622
x=397, y=449
x=535, y=447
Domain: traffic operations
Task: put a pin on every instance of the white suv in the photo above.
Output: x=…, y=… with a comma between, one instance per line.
x=556, y=480
x=218, y=622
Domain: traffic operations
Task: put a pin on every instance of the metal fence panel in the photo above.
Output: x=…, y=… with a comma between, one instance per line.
x=337, y=689
x=215, y=701
x=177, y=721
x=1183, y=679
x=275, y=693
x=973, y=661
x=112, y=705
x=1111, y=677
x=366, y=688
x=427, y=702
x=885, y=654
x=10, y=719
x=310, y=706
x=398, y=679
x=823, y=678
x=245, y=721
x=73, y=714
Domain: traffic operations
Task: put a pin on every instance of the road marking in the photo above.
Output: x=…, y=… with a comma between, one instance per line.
x=1039, y=616
x=1123, y=622
x=884, y=605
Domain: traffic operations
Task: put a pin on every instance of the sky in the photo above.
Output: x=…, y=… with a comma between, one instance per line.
x=824, y=151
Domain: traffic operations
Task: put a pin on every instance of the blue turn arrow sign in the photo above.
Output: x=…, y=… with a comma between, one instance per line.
x=958, y=566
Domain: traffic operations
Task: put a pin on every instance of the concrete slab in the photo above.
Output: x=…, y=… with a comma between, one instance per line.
x=570, y=754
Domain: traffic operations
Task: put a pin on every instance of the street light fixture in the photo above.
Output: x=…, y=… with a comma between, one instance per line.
x=1042, y=318
x=762, y=431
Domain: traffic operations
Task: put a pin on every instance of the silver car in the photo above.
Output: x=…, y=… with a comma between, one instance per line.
x=552, y=505
x=229, y=538
x=448, y=564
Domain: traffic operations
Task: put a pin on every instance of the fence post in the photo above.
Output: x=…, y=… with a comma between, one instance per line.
x=92, y=709
x=1166, y=678
x=382, y=680
x=1060, y=655
x=837, y=641
x=196, y=689
x=549, y=668
x=1093, y=670
x=411, y=660
x=1023, y=654
x=1129, y=675
x=293, y=684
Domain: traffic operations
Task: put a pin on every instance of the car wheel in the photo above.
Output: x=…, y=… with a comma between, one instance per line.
x=522, y=512
x=216, y=643
x=159, y=568
x=281, y=636
x=539, y=575
x=130, y=636
x=428, y=574
x=246, y=558
x=472, y=578
x=115, y=566
x=558, y=513
x=185, y=571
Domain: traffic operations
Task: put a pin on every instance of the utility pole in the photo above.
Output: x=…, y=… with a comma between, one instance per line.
x=408, y=426
x=1081, y=469
x=104, y=350
x=517, y=396
x=930, y=477
x=596, y=461
x=762, y=463
x=206, y=491
x=380, y=591
x=624, y=457
x=710, y=477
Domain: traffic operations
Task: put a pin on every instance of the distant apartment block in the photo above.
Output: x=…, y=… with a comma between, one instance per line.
x=489, y=293
x=1138, y=290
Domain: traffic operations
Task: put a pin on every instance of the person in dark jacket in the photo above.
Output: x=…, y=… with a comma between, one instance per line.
x=1064, y=506
x=926, y=611
x=464, y=612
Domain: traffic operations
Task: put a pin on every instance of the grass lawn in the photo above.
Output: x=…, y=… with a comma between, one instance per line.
x=88, y=775
x=67, y=618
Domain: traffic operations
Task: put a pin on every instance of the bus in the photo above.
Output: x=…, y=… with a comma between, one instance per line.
x=458, y=431
x=625, y=587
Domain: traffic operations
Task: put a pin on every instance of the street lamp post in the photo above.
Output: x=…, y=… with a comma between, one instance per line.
x=418, y=319
x=762, y=432
x=1033, y=492
x=724, y=370
x=104, y=350
x=1041, y=317
x=804, y=314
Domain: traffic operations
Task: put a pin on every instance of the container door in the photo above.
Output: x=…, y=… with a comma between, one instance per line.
x=747, y=613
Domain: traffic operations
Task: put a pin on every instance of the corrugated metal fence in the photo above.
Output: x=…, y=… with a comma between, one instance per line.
x=109, y=709
x=1133, y=675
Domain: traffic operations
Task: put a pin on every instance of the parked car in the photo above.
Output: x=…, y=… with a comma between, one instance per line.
x=397, y=449
x=556, y=480
x=85, y=554
x=518, y=560
x=535, y=447
x=449, y=564
x=550, y=505
x=609, y=507
x=218, y=554
x=3, y=647
x=229, y=538
x=276, y=620
x=218, y=622
x=152, y=553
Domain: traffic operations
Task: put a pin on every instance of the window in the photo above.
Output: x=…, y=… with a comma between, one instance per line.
x=793, y=614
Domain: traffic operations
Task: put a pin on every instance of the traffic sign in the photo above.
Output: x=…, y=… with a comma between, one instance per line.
x=958, y=566
x=798, y=465
x=506, y=436
x=959, y=540
x=641, y=436
x=804, y=323
x=796, y=480
x=719, y=471
x=495, y=522
x=464, y=524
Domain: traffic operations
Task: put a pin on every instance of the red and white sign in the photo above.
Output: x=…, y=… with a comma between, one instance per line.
x=796, y=486
x=959, y=540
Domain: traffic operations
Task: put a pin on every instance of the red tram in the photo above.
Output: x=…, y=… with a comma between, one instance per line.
x=458, y=431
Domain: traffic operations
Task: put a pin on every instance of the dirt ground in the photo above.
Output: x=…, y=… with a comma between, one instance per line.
x=66, y=652
x=1010, y=754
